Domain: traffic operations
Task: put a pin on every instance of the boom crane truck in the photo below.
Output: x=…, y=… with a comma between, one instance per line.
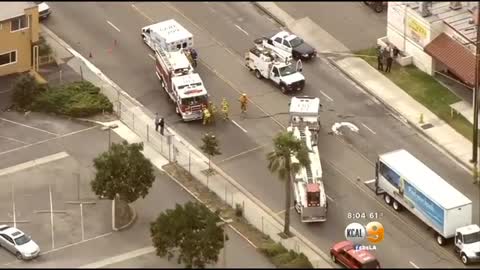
x=272, y=63
x=309, y=191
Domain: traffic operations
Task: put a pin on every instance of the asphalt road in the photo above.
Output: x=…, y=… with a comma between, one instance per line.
x=221, y=48
x=354, y=24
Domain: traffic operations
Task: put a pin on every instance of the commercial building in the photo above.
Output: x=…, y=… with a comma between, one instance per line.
x=19, y=33
x=435, y=36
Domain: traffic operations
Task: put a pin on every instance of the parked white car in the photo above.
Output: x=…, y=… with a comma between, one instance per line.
x=43, y=10
x=18, y=243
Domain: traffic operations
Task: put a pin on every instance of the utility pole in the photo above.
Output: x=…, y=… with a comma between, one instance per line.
x=475, y=97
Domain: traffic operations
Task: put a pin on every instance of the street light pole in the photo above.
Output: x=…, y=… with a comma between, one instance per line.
x=109, y=129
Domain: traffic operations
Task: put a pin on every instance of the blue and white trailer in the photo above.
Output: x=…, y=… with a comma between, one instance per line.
x=408, y=183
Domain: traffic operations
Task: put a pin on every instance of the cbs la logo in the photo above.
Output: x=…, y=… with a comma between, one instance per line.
x=373, y=232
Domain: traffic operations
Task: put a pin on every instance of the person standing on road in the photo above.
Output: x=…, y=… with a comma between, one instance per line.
x=385, y=55
x=162, y=125
x=157, y=121
x=206, y=115
x=299, y=65
x=243, y=102
x=225, y=108
x=379, y=58
x=389, y=60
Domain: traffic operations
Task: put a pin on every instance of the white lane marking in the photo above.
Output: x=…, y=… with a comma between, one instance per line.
x=414, y=265
x=27, y=126
x=241, y=29
x=33, y=163
x=120, y=258
x=112, y=25
x=151, y=56
x=142, y=13
x=51, y=215
x=12, y=139
x=81, y=221
x=330, y=198
x=240, y=127
x=369, y=181
x=369, y=129
x=13, y=207
x=47, y=140
x=323, y=93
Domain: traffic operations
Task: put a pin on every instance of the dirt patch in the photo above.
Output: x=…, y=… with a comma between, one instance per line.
x=212, y=201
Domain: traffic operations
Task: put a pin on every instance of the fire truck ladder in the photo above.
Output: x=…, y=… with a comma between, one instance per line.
x=164, y=56
x=308, y=168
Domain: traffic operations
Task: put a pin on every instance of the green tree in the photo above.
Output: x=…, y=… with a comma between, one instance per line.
x=123, y=170
x=190, y=231
x=280, y=161
x=25, y=90
x=210, y=147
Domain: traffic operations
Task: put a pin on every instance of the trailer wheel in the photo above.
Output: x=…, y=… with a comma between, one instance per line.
x=440, y=239
x=258, y=74
x=283, y=88
x=334, y=259
x=396, y=206
x=464, y=259
x=378, y=7
x=387, y=199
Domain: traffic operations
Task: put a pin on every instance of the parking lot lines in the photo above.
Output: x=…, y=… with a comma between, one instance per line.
x=27, y=126
x=33, y=163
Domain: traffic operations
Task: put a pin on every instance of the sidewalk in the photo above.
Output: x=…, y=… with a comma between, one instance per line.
x=176, y=149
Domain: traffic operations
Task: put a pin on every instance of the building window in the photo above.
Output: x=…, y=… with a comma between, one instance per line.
x=8, y=58
x=19, y=23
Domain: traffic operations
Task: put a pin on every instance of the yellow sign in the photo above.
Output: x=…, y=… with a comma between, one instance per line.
x=417, y=28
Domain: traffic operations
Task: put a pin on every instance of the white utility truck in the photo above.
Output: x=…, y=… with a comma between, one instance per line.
x=274, y=65
x=408, y=183
x=309, y=192
x=168, y=35
x=305, y=110
x=183, y=85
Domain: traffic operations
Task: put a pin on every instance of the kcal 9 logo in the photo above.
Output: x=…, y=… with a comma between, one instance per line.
x=373, y=232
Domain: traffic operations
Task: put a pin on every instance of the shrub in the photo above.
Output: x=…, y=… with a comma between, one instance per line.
x=25, y=90
x=272, y=249
x=301, y=261
x=283, y=258
x=43, y=47
x=77, y=99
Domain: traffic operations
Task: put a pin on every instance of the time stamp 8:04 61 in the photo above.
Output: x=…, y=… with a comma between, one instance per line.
x=364, y=215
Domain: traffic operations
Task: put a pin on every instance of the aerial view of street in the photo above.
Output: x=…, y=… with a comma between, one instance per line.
x=239, y=134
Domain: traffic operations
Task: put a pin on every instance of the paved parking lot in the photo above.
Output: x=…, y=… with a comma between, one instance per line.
x=45, y=171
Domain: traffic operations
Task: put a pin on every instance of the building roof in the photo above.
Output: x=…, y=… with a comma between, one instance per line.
x=424, y=179
x=459, y=60
x=14, y=9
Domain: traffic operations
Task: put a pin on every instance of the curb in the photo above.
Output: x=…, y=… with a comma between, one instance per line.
x=392, y=109
x=273, y=16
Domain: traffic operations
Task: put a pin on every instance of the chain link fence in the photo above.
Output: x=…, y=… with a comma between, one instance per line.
x=175, y=149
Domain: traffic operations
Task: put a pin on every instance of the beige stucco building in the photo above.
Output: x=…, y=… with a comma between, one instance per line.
x=19, y=32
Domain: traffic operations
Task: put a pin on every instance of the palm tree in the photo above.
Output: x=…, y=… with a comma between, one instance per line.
x=280, y=161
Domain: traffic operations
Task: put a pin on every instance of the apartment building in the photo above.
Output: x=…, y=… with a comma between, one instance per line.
x=19, y=32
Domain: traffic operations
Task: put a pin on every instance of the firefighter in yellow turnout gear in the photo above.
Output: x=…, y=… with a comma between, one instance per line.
x=243, y=102
x=225, y=108
x=213, y=110
x=206, y=115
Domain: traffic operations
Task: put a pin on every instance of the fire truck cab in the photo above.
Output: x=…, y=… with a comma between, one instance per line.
x=184, y=87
